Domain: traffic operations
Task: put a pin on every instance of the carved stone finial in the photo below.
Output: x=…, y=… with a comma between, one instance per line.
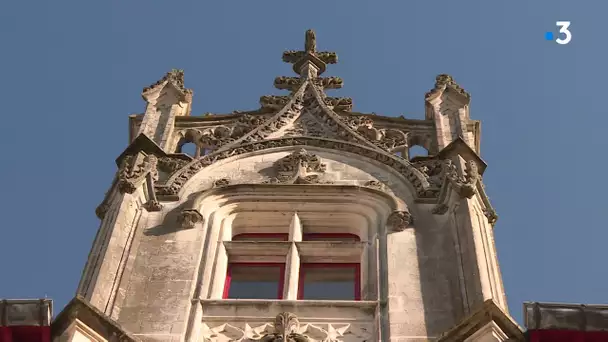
x=175, y=77
x=310, y=55
x=310, y=42
x=399, y=220
x=443, y=82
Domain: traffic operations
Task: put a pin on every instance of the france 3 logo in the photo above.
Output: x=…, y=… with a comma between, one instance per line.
x=564, y=35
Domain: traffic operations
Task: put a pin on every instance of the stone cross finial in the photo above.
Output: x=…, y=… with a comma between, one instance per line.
x=310, y=42
x=310, y=55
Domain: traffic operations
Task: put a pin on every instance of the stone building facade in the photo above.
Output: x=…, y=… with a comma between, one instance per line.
x=302, y=220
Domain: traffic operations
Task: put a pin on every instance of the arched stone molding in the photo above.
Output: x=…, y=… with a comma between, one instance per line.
x=397, y=167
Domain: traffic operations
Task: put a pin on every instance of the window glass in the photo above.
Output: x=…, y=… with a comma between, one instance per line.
x=329, y=237
x=260, y=237
x=329, y=282
x=254, y=281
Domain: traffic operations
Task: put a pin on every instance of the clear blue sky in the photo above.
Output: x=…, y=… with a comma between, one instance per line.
x=73, y=72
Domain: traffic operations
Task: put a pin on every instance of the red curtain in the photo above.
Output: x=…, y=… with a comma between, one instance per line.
x=25, y=334
x=567, y=336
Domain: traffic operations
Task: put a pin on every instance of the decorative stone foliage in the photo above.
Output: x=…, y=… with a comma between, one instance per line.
x=442, y=82
x=399, y=220
x=133, y=171
x=286, y=328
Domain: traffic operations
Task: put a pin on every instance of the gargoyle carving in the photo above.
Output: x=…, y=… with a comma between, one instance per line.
x=399, y=220
x=133, y=171
x=188, y=218
x=465, y=185
x=153, y=205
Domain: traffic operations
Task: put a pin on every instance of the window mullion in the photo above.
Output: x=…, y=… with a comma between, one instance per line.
x=292, y=266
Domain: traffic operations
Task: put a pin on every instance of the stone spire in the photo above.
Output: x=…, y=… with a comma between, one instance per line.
x=308, y=64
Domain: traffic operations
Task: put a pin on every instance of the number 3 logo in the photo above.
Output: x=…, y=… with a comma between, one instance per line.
x=563, y=28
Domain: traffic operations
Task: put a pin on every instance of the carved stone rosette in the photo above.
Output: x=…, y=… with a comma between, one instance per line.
x=188, y=218
x=399, y=220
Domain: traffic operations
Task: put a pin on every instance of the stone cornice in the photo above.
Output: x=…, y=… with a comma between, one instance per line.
x=565, y=316
x=79, y=308
x=487, y=314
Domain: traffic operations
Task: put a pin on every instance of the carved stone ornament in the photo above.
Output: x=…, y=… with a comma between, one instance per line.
x=217, y=136
x=341, y=104
x=171, y=164
x=399, y=220
x=188, y=218
x=102, y=209
x=442, y=82
x=153, y=205
x=286, y=326
x=310, y=54
x=465, y=185
x=218, y=183
x=374, y=184
x=273, y=101
x=133, y=171
x=300, y=167
x=423, y=189
x=176, y=78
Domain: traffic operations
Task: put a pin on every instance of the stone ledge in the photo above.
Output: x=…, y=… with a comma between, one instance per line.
x=26, y=312
x=565, y=316
x=215, y=310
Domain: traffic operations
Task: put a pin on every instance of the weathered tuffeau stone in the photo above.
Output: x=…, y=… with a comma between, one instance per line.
x=303, y=163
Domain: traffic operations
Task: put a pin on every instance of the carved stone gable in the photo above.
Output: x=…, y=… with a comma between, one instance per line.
x=307, y=125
